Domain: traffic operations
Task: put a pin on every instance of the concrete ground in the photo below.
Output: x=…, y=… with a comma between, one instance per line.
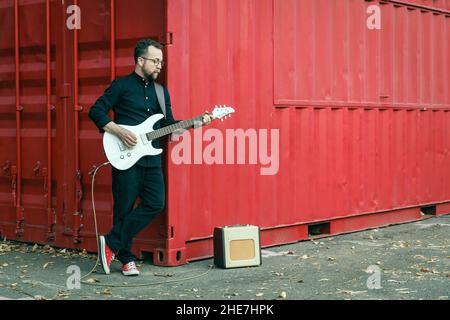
x=408, y=261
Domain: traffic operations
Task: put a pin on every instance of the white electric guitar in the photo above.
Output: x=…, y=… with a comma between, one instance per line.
x=121, y=157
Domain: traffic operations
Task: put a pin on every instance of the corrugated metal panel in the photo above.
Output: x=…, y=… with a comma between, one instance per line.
x=353, y=136
x=27, y=122
x=363, y=116
x=336, y=59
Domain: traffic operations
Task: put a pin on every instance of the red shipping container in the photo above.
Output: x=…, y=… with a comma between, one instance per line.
x=341, y=126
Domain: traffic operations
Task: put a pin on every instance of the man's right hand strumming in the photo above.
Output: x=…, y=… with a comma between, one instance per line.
x=127, y=137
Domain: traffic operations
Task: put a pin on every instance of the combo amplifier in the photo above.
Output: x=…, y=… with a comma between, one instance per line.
x=237, y=246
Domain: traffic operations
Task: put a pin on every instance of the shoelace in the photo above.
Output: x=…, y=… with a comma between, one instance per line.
x=130, y=265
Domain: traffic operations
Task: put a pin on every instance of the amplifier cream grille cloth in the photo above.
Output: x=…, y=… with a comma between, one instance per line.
x=237, y=246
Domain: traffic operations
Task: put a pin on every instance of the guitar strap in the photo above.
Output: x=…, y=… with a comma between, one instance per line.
x=160, y=95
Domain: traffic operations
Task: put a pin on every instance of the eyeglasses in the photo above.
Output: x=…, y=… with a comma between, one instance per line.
x=155, y=61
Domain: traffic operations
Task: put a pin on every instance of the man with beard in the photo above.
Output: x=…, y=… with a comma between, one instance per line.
x=134, y=99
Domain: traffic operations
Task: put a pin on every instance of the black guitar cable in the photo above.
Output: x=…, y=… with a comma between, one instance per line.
x=98, y=256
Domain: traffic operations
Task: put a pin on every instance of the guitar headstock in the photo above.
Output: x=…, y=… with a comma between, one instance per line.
x=222, y=112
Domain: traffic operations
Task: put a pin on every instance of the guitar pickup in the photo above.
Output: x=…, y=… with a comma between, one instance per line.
x=122, y=147
x=144, y=139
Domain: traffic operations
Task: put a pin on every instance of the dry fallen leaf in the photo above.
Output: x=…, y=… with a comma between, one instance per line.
x=46, y=265
x=5, y=248
x=107, y=292
x=34, y=248
x=259, y=294
x=395, y=281
x=282, y=295
x=167, y=275
x=350, y=292
x=92, y=280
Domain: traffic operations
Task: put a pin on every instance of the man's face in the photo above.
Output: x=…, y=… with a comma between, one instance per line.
x=150, y=62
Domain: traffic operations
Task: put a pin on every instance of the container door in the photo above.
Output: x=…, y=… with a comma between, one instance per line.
x=101, y=50
x=27, y=121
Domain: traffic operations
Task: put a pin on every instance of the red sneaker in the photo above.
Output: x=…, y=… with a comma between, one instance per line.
x=130, y=269
x=106, y=254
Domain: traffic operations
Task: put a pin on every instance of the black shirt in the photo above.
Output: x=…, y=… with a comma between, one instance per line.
x=133, y=99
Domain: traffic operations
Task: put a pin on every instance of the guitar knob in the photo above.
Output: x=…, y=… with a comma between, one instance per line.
x=122, y=156
x=129, y=154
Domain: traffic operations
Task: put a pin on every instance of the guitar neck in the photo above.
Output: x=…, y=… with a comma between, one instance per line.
x=174, y=127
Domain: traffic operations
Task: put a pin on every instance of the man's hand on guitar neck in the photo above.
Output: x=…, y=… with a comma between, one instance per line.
x=127, y=137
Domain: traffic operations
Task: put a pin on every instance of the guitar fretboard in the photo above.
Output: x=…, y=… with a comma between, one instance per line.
x=174, y=127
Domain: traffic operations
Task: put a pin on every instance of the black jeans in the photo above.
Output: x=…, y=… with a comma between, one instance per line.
x=127, y=185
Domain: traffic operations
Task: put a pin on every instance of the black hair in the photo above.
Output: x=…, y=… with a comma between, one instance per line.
x=142, y=47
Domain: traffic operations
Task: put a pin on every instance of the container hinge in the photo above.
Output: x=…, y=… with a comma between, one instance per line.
x=166, y=231
x=41, y=172
x=166, y=39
